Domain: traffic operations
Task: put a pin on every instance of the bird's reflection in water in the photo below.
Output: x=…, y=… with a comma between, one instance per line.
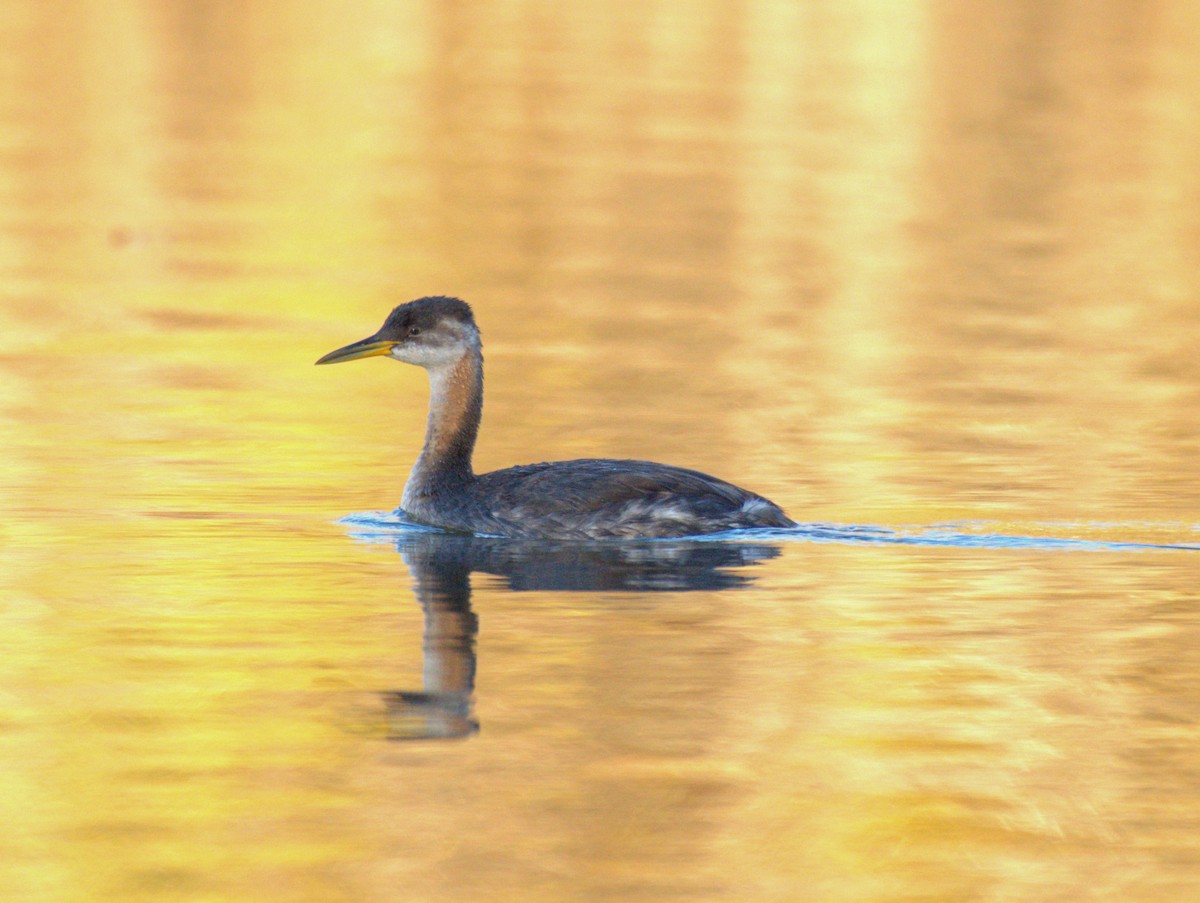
x=441, y=566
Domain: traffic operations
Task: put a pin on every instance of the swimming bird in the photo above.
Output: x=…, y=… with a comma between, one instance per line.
x=590, y=498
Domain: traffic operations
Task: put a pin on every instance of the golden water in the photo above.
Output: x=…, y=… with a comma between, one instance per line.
x=887, y=263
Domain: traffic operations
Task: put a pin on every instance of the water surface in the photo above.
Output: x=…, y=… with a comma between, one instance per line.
x=924, y=275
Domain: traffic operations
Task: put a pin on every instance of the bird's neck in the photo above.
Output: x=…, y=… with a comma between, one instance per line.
x=455, y=409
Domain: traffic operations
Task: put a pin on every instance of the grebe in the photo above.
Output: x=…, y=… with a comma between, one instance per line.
x=586, y=499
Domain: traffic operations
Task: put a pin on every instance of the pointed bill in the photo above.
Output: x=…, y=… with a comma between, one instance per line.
x=369, y=347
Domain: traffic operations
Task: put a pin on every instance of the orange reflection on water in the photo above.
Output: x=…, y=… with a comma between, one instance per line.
x=883, y=264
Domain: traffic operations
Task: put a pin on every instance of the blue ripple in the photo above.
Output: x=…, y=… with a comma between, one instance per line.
x=385, y=526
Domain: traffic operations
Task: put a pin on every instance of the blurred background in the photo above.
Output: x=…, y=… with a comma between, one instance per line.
x=885, y=263
x=918, y=256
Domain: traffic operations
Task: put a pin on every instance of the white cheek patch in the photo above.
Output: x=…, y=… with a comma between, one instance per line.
x=421, y=355
x=439, y=350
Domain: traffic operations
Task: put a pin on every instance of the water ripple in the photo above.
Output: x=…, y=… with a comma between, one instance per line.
x=385, y=526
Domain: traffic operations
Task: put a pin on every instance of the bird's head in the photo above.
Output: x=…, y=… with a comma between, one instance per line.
x=429, y=332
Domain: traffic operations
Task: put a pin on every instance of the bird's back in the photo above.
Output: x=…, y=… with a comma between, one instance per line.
x=596, y=498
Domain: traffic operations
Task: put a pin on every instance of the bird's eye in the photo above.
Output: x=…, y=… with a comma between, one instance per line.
x=414, y=330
